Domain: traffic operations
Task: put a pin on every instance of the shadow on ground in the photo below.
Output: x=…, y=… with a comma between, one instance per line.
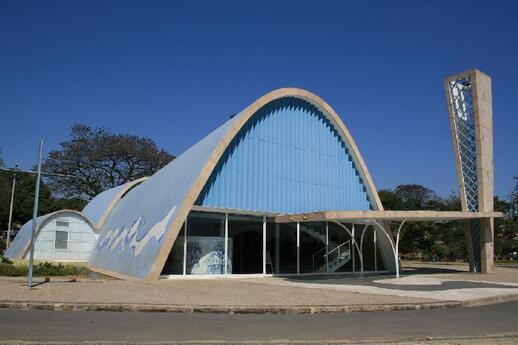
x=376, y=280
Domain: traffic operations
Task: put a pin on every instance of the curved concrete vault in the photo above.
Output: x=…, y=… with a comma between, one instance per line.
x=138, y=233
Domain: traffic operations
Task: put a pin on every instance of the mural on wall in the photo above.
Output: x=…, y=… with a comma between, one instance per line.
x=130, y=236
x=153, y=204
x=206, y=255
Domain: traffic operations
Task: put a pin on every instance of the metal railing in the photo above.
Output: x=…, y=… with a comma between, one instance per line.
x=316, y=253
x=341, y=245
x=337, y=249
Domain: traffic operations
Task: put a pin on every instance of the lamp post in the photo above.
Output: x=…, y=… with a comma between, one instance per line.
x=35, y=214
x=39, y=173
x=8, y=241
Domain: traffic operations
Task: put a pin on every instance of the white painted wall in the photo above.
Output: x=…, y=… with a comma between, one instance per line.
x=79, y=239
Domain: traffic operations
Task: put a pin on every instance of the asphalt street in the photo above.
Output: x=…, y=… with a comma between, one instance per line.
x=56, y=326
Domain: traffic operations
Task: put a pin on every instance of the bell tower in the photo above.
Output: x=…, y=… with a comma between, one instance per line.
x=468, y=96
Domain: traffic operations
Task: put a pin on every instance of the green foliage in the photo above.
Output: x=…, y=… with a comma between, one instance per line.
x=416, y=197
x=389, y=199
x=2, y=244
x=69, y=204
x=419, y=239
x=10, y=269
x=5, y=261
x=513, y=205
x=24, y=200
x=506, y=229
x=101, y=160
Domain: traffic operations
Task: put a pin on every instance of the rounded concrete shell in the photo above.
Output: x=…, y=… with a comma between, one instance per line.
x=84, y=239
x=100, y=207
x=140, y=231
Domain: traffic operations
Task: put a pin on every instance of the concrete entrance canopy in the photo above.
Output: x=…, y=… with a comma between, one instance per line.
x=377, y=218
x=384, y=216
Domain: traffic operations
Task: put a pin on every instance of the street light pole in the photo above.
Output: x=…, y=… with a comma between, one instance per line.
x=35, y=214
x=8, y=241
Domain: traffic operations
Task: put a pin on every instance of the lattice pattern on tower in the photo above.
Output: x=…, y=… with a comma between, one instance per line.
x=461, y=99
x=463, y=119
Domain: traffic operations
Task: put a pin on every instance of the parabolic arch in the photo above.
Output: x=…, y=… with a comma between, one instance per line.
x=160, y=221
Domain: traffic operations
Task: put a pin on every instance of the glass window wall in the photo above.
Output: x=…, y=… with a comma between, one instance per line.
x=174, y=262
x=313, y=247
x=367, y=247
x=206, y=243
x=281, y=248
x=321, y=248
x=245, y=237
x=340, y=248
x=380, y=265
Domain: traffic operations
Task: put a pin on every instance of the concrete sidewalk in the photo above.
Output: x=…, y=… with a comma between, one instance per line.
x=421, y=286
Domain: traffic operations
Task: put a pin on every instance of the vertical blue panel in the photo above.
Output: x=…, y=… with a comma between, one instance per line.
x=287, y=158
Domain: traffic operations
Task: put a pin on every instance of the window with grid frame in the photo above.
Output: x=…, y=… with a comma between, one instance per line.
x=61, y=240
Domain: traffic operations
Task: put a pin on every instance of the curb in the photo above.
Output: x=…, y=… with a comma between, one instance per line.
x=410, y=340
x=490, y=300
x=22, y=305
x=157, y=308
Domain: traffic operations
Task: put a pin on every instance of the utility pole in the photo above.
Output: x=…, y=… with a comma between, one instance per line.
x=35, y=213
x=8, y=241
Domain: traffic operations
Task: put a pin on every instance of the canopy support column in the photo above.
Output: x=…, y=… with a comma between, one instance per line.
x=354, y=243
x=394, y=249
x=397, y=247
x=361, y=241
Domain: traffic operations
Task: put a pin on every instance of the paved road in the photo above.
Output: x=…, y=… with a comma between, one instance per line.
x=159, y=327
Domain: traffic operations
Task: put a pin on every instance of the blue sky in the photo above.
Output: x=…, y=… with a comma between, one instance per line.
x=173, y=71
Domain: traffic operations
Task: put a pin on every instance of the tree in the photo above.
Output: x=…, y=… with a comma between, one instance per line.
x=452, y=203
x=513, y=209
x=416, y=197
x=412, y=197
x=23, y=200
x=448, y=238
x=101, y=160
x=506, y=228
x=389, y=199
x=418, y=238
